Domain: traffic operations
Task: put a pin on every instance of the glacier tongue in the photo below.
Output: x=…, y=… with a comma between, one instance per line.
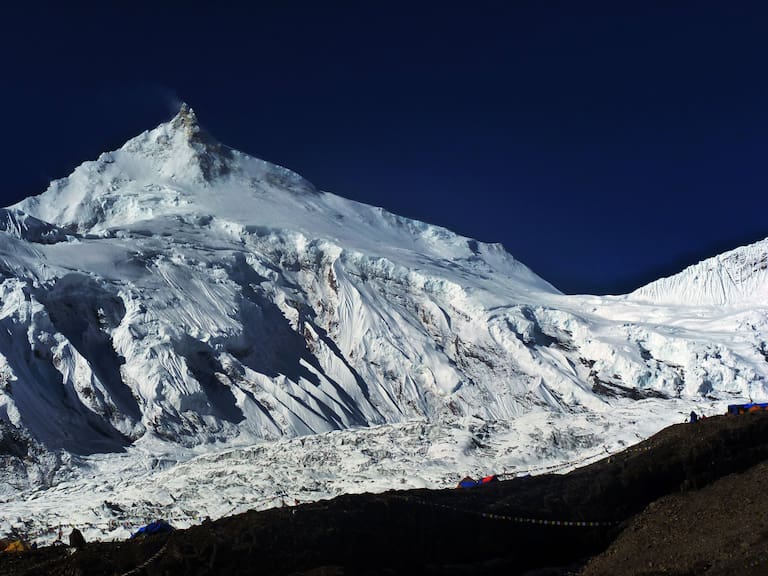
x=114, y=494
x=179, y=297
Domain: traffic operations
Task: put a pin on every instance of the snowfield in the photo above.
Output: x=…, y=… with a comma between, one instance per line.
x=187, y=331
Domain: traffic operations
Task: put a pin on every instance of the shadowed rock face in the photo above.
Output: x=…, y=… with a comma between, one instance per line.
x=533, y=525
x=25, y=227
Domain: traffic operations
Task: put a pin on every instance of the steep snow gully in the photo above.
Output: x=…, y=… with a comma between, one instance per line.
x=177, y=309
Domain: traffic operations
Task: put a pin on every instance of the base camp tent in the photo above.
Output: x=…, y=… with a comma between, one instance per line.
x=156, y=527
x=15, y=546
x=747, y=408
x=468, y=482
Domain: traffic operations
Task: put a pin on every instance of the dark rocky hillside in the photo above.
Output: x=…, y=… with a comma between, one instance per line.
x=688, y=501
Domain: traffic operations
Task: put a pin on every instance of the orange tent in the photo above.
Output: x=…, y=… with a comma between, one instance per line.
x=16, y=546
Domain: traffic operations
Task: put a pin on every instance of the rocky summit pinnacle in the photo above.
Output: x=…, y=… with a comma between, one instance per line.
x=186, y=120
x=211, y=156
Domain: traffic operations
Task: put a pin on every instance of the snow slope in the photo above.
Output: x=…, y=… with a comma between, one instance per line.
x=735, y=278
x=180, y=303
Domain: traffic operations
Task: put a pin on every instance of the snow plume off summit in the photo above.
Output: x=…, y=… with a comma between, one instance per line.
x=176, y=298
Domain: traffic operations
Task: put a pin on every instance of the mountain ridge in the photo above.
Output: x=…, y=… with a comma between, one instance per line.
x=735, y=277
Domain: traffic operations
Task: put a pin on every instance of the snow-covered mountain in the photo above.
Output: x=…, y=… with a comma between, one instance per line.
x=176, y=297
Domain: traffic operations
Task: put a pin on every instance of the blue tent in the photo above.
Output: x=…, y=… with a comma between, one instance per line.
x=156, y=527
x=467, y=482
x=750, y=407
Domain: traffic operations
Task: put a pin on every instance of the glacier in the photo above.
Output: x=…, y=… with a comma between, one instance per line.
x=189, y=331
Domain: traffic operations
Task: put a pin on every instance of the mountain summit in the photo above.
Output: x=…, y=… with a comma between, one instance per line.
x=186, y=119
x=152, y=173
x=177, y=292
x=209, y=156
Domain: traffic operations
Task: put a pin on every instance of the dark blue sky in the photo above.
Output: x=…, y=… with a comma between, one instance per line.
x=603, y=143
